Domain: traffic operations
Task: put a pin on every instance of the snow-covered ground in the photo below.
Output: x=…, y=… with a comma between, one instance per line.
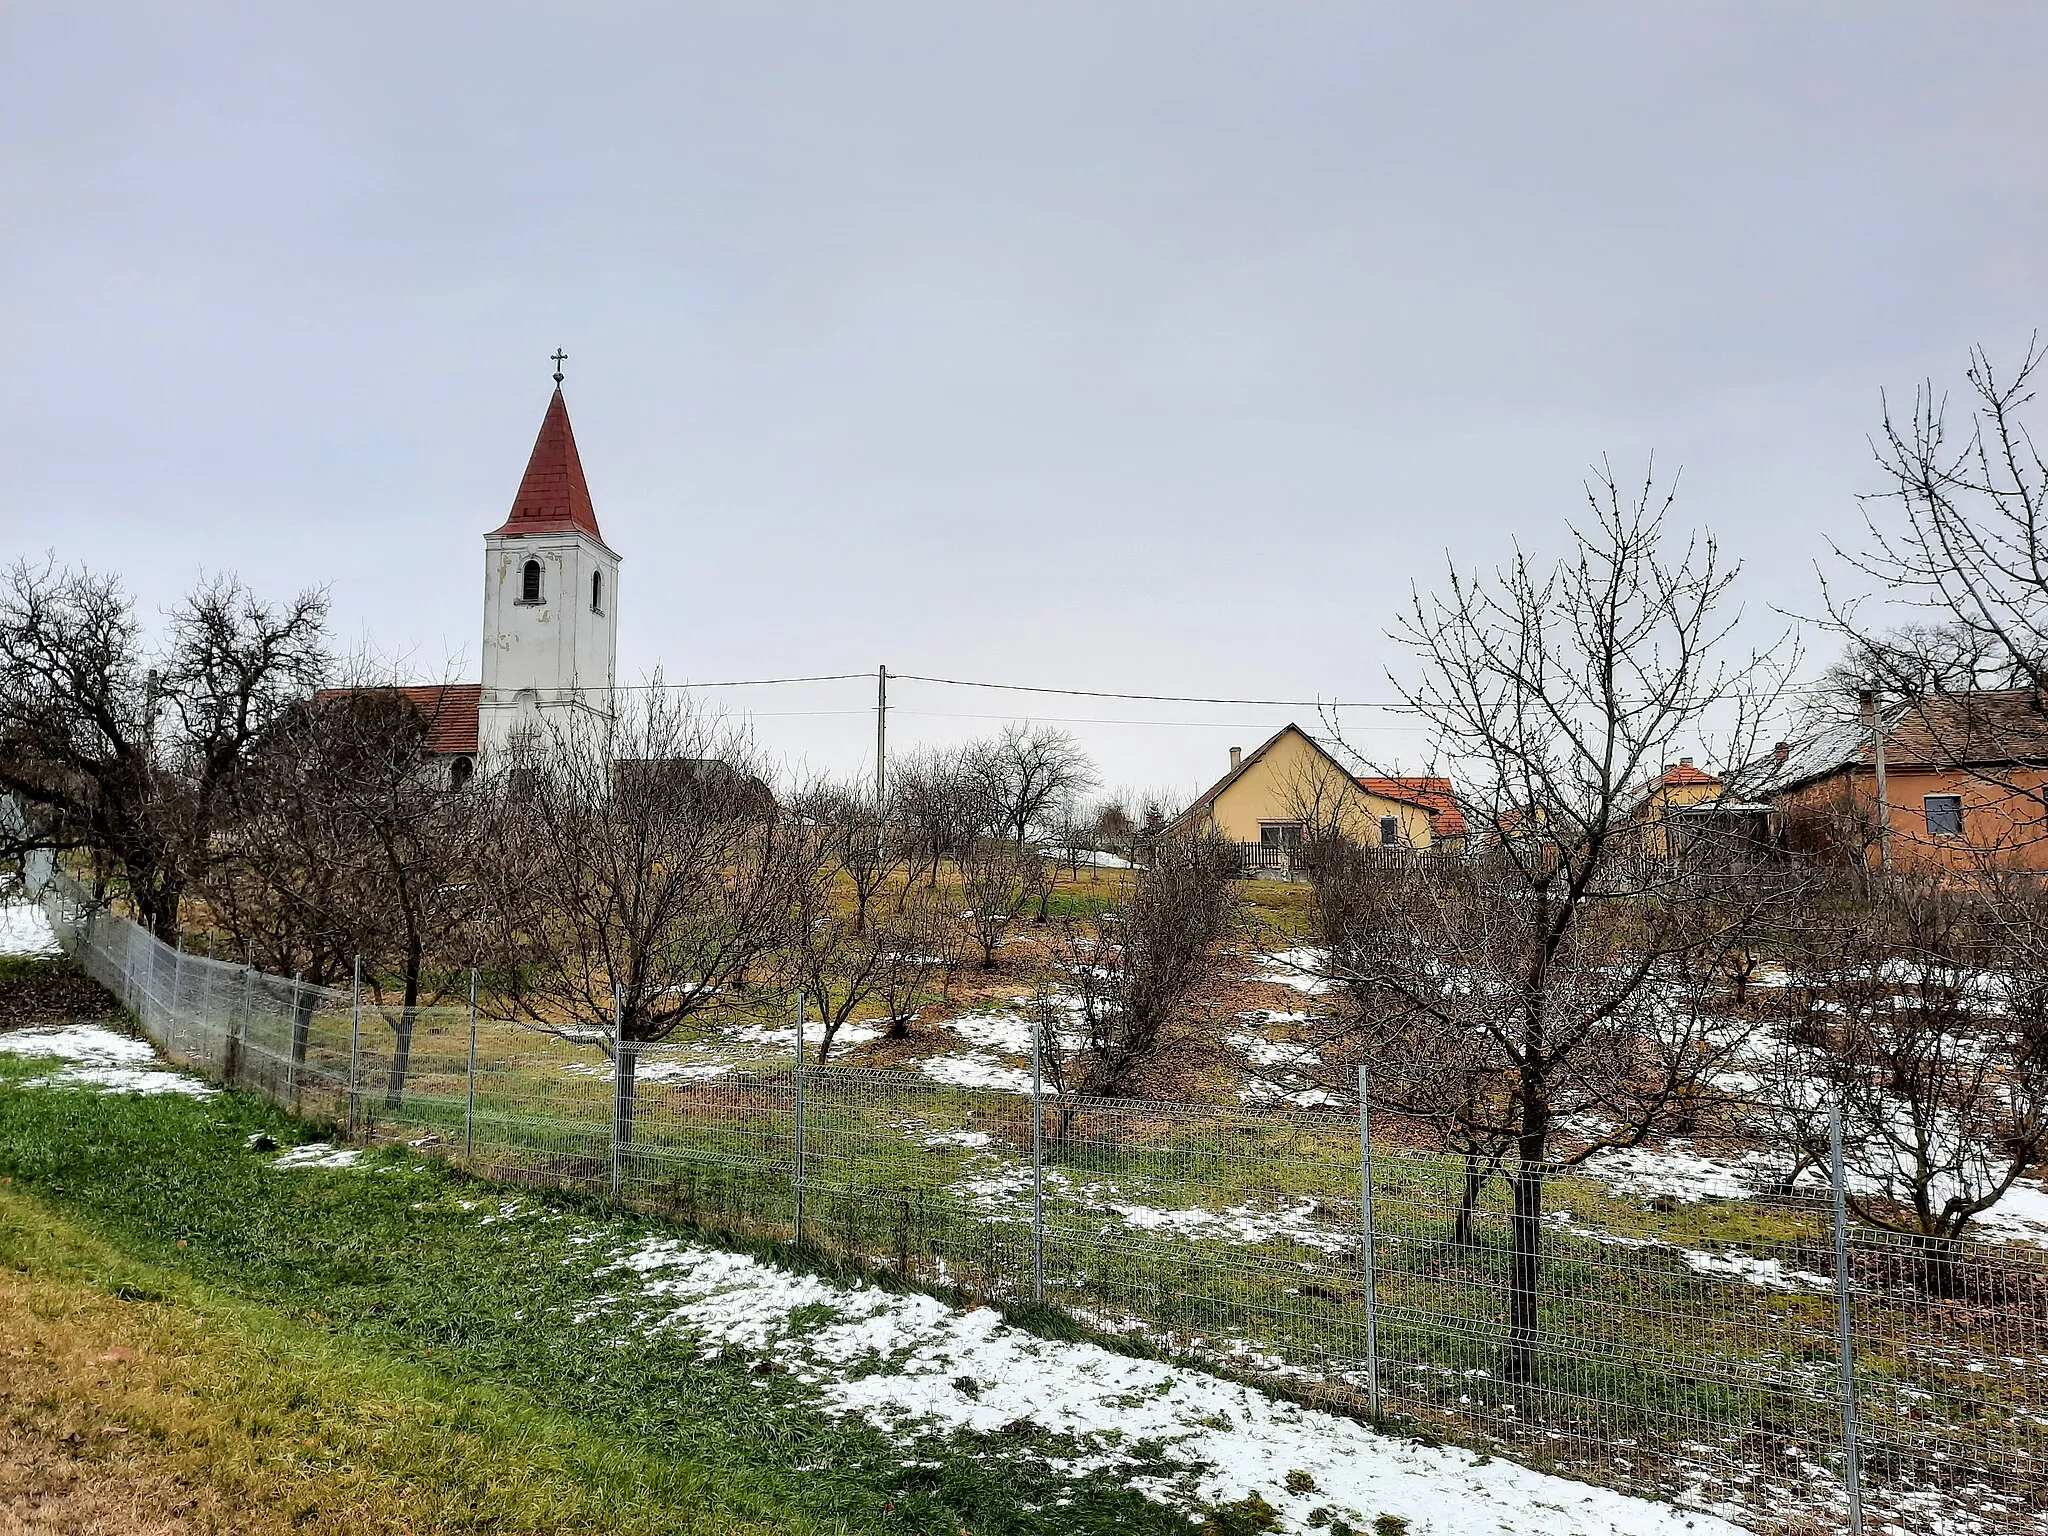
x=1302, y=969
x=25, y=930
x=907, y=1363
x=96, y=1057
x=317, y=1154
x=1677, y=1171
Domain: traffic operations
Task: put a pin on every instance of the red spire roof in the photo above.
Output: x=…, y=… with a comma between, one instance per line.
x=553, y=497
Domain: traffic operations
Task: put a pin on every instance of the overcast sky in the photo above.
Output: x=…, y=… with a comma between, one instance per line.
x=1155, y=348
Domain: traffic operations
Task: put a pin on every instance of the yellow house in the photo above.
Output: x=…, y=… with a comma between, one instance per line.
x=1274, y=794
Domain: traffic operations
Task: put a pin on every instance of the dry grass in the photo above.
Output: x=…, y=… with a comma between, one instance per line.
x=125, y=1410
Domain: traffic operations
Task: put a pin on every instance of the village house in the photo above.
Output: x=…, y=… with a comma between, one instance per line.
x=1274, y=795
x=1949, y=783
x=1687, y=812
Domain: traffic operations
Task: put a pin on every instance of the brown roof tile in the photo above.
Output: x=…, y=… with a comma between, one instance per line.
x=450, y=710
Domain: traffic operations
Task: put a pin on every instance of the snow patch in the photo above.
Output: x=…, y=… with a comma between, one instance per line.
x=1302, y=969
x=99, y=1059
x=25, y=930
x=976, y=1070
x=317, y=1154
x=909, y=1362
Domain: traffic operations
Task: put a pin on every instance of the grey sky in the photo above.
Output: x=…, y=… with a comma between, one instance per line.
x=1149, y=347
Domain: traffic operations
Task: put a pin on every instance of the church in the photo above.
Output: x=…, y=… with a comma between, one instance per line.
x=551, y=614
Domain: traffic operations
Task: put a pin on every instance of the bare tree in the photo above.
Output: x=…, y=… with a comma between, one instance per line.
x=890, y=960
x=924, y=940
x=1028, y=774
x=854, y=841
x=350, y=842
x=1132, y=970
x=1925, y=1015
x=131, y=751
x=994, y=878
x=642, y=868
x=1549, y=978
x=930, y=812
x=1962, y=530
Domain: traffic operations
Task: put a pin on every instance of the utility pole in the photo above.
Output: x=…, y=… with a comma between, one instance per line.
x=1868, y=699
x=881, y=757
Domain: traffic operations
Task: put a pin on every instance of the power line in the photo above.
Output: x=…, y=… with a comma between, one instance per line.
x=1147, y=698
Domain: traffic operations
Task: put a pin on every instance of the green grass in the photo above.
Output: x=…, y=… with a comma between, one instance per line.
x=383, y=1262
x=293, y=1427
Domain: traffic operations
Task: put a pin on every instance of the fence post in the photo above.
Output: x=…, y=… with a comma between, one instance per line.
x=799, y=1117
x=1037, y=1160
x=355, y=1038
x=291, y=1049
x=1844, y=1322
x=1372, y=1297
x=469, y=1104
x=242, y=1025
x=618, y=1081
x=170, y=1024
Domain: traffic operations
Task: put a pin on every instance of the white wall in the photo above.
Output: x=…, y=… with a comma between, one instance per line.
x=552, y=655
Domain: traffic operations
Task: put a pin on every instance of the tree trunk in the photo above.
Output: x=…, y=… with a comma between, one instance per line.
x=401, y=1049
x=401, y=1056
x=1477, y=1172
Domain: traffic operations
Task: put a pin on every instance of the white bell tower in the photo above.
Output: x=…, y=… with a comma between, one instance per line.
x=551, y=598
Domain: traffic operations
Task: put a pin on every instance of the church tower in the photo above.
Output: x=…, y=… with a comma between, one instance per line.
x=551, y=598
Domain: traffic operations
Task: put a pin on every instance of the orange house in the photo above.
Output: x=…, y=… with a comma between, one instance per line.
x=1955, y=782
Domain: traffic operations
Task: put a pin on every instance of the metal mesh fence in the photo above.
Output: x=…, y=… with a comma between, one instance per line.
x=1686, y=1347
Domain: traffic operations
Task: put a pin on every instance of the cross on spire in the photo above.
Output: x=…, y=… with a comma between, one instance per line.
x=560, y=358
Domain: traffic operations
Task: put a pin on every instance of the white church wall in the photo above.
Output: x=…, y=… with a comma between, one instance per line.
x=555, y=654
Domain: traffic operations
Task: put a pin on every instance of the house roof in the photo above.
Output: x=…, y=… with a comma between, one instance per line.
x=1682, y=776
x=1433, y=795
x=553, y=496
x=450, y=710
x=1992, y=728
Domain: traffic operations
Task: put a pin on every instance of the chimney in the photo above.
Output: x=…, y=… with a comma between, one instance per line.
x=1236, y=758
x=1781, y=752
x=1685, y=762
x=1866, y=704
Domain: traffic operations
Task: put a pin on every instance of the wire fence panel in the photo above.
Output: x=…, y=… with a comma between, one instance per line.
x=1685, y=1346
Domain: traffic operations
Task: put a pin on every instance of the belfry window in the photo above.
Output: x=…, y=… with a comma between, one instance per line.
x=597, y=591
x=529, y=583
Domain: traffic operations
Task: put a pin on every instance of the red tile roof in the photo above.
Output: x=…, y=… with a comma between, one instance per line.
x=1678, y=775
x=553, y=498
x=450, y=710
x=1432, y=793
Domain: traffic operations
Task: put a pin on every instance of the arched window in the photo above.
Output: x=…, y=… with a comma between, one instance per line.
x=460, y=772
x=597, y=591
x=529, y=583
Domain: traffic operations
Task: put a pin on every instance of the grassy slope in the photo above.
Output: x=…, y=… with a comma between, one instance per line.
x=135, y=1396
x=434, y=1354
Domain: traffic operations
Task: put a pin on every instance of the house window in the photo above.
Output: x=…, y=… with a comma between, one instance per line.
x=1944, y=815
x=529, y=583
x=1280, y=834
x=460, y=772
x=1390, y=831
x=597, y=591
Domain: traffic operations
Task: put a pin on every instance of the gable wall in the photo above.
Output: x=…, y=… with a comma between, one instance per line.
x=1293, y=773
